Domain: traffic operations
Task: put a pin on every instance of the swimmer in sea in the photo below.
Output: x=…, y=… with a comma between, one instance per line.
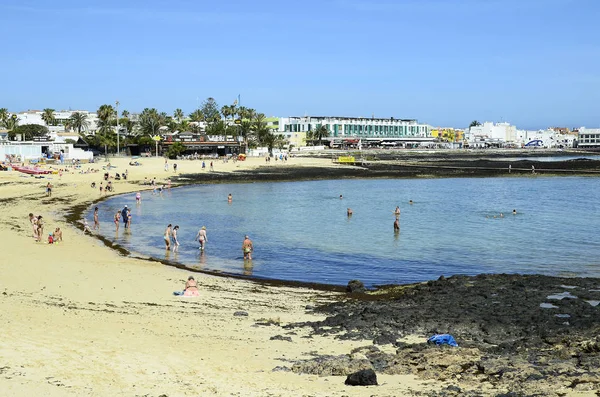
x=341, y=197
x=96, y=221
x=514, y=212
x=410, y=202
x=396, y=225
x=229, y=198
x=349, y=212
x=397, y=212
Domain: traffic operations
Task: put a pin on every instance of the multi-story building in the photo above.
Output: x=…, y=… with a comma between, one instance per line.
x=589, y=138
x=501, y=132
x=356, y=127
x=60, y=117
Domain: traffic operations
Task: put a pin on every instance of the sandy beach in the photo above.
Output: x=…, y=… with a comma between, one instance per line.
x=80, y=319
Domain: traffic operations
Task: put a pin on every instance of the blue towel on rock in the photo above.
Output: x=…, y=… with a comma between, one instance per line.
x=443, y=339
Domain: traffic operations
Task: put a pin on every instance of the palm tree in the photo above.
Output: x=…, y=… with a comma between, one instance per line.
x=474, y=123
x=320, y=133
x=48, y=116
x=184, y=126
x=78, y=121
x=178, y=115
x=225, y=111
x=151, y=121
x=3, y=115
x=197, y=116
x=11, y=122
x=106, y=114
x=125, y=114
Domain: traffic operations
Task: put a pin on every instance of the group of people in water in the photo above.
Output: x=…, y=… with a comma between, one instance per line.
x=349, y=213
x=37, y=226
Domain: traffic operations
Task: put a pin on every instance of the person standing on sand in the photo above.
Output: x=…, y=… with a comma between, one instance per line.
x=174, y=237
x=40, y=228
x=202, y=237
x=49, y=189
x=57, y=235
x=247, y=248
x=96, y=220
x=166, y=165
x=167, y=237
x=33, y=220
x=211, y=166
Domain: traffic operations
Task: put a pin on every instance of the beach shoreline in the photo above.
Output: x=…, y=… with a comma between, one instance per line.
x=84, y=319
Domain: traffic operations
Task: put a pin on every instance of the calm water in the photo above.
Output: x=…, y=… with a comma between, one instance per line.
x=301, y=232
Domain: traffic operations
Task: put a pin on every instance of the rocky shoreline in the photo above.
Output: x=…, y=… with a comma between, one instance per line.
x=521, y=334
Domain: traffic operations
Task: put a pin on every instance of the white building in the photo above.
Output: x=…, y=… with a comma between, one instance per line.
x=35, y=117
x=499, y=132
x=589, y=138
x=545, y=138
x=355, y=127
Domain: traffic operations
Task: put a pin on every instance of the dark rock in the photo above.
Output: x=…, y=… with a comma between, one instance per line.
x=281, y=337
x=355, y=286
x=385, y=338
x=280, y=368
x=331, y=365
x=366, y=377
x=241, y=314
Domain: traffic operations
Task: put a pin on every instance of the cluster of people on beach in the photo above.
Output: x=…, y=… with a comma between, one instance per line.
x=37, y=226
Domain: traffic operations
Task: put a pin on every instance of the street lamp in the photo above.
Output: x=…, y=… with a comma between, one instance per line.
x=117, y=103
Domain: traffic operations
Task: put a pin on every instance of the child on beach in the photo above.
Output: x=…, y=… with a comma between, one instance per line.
x=50, y=239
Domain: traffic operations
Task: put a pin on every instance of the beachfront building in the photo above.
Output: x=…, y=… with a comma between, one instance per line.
x=364, y=128
x=549, y=138
x=589, y=138
x=61, y=117
x=491, y=132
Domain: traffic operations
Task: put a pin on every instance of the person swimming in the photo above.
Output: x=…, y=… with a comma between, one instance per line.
x=396, y=225
x=514, y=212
x=349, y=212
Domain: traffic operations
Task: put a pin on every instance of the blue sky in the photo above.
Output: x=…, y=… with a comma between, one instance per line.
x=534, y=63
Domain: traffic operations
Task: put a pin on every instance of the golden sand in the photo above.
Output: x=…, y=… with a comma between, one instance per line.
x=79, y=319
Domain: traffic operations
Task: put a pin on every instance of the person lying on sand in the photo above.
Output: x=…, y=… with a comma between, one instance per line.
x=191, y=287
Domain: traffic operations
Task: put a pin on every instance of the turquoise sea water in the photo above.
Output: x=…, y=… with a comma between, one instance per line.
x=301, y=231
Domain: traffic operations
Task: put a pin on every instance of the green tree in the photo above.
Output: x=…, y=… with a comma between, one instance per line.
x=28, y=131
x=48, y=116
x=11, y=122
x=175, y=150
x=3, y=116
x=320, y=133
x=210, y=110
x=178, y=115
x=78, y=121
x=197, y=116
x=150, y=121
x=474, y=123
x=125, y=114
x=216, y=128
x=184, y=126
x=106, y=117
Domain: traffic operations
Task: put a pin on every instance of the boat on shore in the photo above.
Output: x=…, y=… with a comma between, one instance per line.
x=31, y=170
